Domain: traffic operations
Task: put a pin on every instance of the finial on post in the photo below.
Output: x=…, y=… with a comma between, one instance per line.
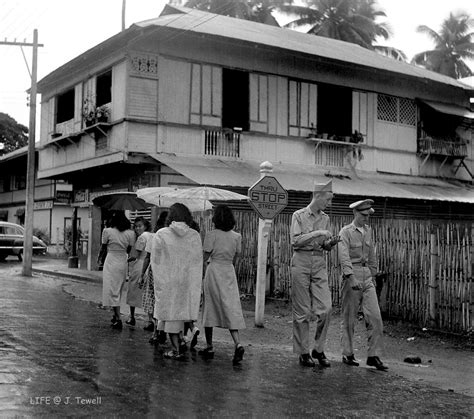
x=265, y=168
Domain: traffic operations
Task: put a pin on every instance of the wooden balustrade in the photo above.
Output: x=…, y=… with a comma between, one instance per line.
x=221, y=143
x=441, y=147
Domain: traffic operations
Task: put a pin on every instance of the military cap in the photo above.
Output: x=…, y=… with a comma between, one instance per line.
x=322, y=187
x=364, y=205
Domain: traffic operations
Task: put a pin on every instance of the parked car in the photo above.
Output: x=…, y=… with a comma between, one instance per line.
x=11, y=241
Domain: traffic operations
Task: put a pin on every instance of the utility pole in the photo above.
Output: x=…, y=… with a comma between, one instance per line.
x=30, y=172
x=124, y=3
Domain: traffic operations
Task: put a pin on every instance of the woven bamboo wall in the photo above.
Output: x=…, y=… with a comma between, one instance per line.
x=403, y=249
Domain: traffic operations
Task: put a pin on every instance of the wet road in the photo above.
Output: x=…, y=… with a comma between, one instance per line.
x=59, y=357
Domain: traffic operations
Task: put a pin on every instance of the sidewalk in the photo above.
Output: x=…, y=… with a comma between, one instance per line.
x=90, y=287
x=447, y=363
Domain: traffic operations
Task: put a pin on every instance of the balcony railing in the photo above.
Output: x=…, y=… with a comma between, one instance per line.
x=221, y=143
x=431, y=146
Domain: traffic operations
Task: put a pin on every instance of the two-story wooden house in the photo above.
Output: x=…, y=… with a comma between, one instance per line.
x=197, y=98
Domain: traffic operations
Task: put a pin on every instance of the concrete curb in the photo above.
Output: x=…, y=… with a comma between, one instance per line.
x=68, y=274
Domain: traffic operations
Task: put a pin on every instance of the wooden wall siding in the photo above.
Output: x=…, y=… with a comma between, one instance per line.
x=403, y=250
x=394, y=162
x=360, y=113
x=302, y=103
x=180, y=140
x=119, y=91
x=258, y=102
x=143, y=98
x=206, y=95
x=174, y=90
x=278, y=106
x=142, y=138
x=78, y=103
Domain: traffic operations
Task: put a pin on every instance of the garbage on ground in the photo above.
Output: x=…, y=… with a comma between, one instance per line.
x=411, y=339
x=412, y=359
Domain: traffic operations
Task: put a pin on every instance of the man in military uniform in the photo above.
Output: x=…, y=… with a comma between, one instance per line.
x=310, y=294
x=359, y=267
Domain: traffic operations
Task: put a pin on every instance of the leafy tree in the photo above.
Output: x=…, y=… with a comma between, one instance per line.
x=12, y=134
x=254, y=10
x=453, y=44
x=352, y=21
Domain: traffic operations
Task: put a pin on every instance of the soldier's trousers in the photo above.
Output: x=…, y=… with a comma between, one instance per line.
x=311, y=300
x=366, y=299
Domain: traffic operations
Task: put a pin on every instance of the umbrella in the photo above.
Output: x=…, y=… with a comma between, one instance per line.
x=206, y=193
x=158, y=196
x=120, y=201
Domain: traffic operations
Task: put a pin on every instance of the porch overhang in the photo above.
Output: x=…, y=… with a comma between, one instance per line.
x=234, y=173
x=449, y=109
x=82, y=165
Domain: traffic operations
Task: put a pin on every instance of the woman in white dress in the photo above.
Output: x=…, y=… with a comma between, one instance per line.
x=221, y=299
x=176, y=262
x=119, y=239
x=135, y=292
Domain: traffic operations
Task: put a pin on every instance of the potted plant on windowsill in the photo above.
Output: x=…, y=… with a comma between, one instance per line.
x=102, y=113
x=92, y=114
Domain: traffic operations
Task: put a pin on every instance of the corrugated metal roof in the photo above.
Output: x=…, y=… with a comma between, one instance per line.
x=216, y=172
x=192, y=20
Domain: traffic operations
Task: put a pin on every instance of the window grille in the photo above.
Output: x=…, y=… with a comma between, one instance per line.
x=407, y=112
x=396, y=110
x=387, y=108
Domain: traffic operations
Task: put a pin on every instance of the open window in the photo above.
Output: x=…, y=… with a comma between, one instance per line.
x=104, y=88
x=65, y=106
x=334, y=110
x=235, y=99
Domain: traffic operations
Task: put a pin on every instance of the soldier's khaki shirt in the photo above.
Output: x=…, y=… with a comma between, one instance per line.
x=357, y=247
x=305, y=221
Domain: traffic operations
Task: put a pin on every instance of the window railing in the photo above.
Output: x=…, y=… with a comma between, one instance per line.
x=224, y=143
x=441, y=147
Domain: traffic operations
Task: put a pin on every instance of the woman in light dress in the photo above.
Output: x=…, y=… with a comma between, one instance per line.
x=176, y=262
x=134, y=292
x=221, y=299
x=147, y=282
x=119, y=239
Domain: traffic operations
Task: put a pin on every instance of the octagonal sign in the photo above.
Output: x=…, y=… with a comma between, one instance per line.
x=267, y=197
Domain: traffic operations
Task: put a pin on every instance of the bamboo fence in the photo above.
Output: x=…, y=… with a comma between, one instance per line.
x=404, y=250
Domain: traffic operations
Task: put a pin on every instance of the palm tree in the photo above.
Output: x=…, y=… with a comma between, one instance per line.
x=453, y=44
x=352, y=21
x=254, y=10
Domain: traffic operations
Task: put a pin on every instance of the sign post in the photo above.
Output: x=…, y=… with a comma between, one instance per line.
x=268, y=198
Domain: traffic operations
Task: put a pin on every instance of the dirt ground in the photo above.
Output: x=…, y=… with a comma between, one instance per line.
x=447, y=360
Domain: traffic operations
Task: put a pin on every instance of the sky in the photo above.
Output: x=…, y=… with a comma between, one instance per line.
x=68, y=28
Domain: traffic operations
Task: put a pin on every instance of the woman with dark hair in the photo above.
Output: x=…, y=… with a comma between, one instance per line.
x=221, y=300
x=136, y=259
x=176, y=260
x=119, y=239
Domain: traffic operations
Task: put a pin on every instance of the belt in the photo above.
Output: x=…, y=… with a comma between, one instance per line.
x=363, y=264
x=312, y=251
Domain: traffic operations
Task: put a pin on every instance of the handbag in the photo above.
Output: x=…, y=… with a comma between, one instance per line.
x=101, y=257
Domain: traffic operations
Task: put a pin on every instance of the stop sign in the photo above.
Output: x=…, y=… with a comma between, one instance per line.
x=267, y=197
